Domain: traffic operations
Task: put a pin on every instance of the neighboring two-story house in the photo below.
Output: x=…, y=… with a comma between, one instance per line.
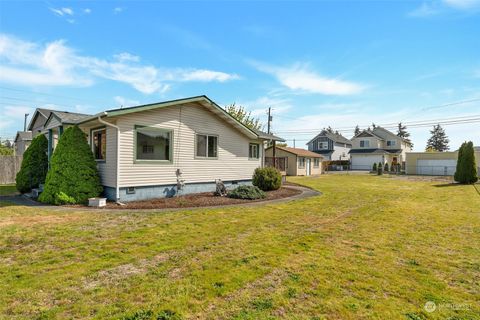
x=377, y=145
x=332, y=146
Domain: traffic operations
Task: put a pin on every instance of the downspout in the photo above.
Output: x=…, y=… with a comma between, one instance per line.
x=117, y=171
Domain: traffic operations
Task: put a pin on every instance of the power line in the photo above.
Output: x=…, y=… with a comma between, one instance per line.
x=414, y=124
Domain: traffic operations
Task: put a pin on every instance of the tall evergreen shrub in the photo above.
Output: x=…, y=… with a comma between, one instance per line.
x=73, y=171
x=34, y=165
x=466, y=167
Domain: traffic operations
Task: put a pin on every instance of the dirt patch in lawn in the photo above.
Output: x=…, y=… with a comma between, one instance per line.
x=206, y=199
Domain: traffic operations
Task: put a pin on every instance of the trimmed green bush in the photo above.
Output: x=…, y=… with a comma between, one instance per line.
x=268, y=178
x=466, y=171
x=247, y=192
x=386, y=167
x=379, y=169
x=73, y=171
x=61, y=198
x=374, y=169
x=34, y=165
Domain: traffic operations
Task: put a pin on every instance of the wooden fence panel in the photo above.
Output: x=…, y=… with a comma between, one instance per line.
x=9, y=166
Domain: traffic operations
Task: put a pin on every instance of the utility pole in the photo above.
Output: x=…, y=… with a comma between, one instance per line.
x=269, y=119
x=274, y=151
x=25, y=122
x=294, y=143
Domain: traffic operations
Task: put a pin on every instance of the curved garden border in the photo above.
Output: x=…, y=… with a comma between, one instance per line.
x=24, y=201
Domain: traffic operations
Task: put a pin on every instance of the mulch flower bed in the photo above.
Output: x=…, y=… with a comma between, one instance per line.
x=199, y=200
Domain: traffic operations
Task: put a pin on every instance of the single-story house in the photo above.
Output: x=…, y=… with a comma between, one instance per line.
x=298, y=162
x=436, y=163
x=22, y=142
x=159, y=149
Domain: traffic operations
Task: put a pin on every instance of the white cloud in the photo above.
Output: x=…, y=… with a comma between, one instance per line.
x=124, y=102
x=205, y=75
x=56, y=64
x=462, y=4
x=117, y=10
x=427, y=9
x=299, y=78
x=62, y=11
x=125, y=56
x=87, y=10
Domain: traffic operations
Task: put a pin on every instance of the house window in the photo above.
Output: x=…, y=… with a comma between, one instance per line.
x=301, y=162
x=391, y=143
x=322, y=145
x=207, y=146
x=364, y=143
x=153, y=143
x=316, y=162
x=99, y=144
x=253, y=151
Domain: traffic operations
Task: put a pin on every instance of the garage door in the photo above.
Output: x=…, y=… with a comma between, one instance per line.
x=364, y=162
x=436, y=167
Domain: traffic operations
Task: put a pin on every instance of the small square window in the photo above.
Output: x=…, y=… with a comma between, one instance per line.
x=131, y=190
x=254, y=151
x=206, y=146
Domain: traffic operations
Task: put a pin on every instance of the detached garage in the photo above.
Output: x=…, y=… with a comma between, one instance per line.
x=431, y=163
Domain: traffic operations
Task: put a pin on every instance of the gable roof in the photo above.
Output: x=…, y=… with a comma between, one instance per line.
x=299, y=152
x=336, y=137
x=202, y=100
x=65, y=117
x=390, y=133
x=39, y=112
x=24, y=135
x=369, y=132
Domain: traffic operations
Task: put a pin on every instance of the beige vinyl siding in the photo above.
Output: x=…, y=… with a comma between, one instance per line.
x=107, y=168
x=293, y=163
x=375, y=143
x=185, y=121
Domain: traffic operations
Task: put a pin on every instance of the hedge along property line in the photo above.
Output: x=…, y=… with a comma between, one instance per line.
x=34, y=165
x=73, y=175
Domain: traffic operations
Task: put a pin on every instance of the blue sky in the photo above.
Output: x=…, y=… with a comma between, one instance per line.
x=317, y=64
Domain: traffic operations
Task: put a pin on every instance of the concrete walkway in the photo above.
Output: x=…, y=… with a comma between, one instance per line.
x=21, y=200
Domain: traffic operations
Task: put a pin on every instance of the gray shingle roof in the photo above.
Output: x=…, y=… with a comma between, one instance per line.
x=332, y=136
x=24, y=135
x=69, y=117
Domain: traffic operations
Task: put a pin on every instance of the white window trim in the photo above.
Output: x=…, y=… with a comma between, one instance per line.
x=366, y=143
x=206, y=146
x=92, y=134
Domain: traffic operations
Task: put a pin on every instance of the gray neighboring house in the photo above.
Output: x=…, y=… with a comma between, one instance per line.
x=37, y=123
x=332, y=146
x=22, y=142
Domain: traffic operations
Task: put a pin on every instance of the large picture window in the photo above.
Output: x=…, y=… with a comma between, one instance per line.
x=153, y=143
x=207, y=146
x=99, y=144
x=254, y=151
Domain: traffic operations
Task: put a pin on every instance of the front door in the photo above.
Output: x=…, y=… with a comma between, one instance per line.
x=308, y=166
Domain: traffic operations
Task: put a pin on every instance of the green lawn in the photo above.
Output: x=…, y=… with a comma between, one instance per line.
x=7, y=189
x=369, y=247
